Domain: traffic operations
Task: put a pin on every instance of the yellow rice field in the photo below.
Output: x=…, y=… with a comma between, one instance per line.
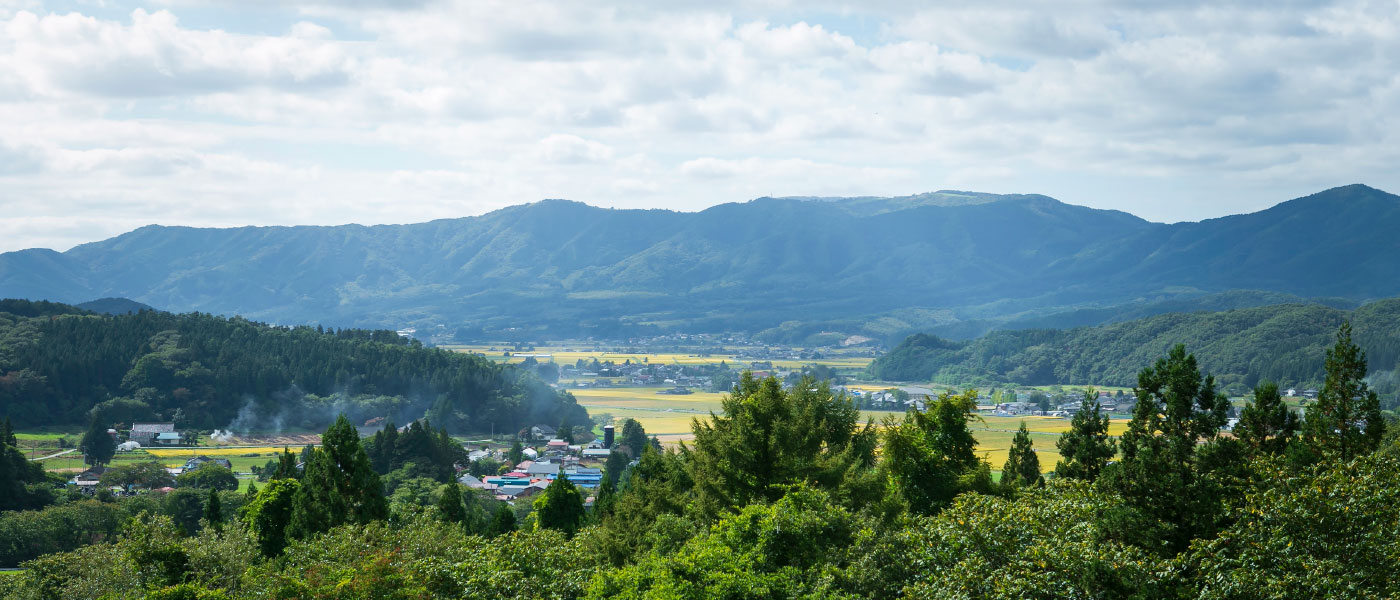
x=566, y=356
x=213, y=451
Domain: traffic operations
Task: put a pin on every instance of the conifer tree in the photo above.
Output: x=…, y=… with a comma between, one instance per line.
x=503, y=521
x=1022, y=465
x=1346, y=421
x=213, y=513
x=338, y=485
x=97, y=446
x=634, y=436
x=286, y=465
x=1086, y=448
x=1169, y=501
x=517, y=453
x=1266, y=425
x=927, y=453
x=560, y=507
x=450, y=506
x=7, y=434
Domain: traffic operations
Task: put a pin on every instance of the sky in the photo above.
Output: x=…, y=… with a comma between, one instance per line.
x=115, y=115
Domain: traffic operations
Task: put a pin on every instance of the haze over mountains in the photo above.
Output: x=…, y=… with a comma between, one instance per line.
x=958, y=262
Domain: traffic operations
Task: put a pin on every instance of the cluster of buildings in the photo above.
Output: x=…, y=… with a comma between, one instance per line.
x=530, y=478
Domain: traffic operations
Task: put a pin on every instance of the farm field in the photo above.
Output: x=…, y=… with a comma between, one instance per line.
x=669, y=417
x=567, y=356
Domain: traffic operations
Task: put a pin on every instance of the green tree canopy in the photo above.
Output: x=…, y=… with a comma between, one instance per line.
x=1266, y=424
x=1086, y=448
x=338, y=486
x=1346, y=421
x=209, y=475
x=767, y=438
x=97, y=445
x=560, y=507
x=926, y=454
x=1022, y=465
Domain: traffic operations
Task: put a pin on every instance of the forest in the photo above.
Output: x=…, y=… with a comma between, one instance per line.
x=1283, y=343
x=784, y=495
x=60, y=365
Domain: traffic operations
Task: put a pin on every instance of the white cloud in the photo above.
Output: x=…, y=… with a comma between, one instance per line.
x=223, y=113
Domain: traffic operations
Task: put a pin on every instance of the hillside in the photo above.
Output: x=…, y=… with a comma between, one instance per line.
x=114, y=306
x=1283, y=343
x=211, y=372
x=876, y=266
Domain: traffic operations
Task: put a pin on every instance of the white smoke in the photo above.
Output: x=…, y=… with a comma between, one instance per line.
x=221, y=437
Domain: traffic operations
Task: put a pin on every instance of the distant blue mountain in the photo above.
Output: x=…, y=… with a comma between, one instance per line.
x=879, y=266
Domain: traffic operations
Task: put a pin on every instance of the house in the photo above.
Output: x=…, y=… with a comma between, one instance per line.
x=599, y=453
x=145, y=433
x=474, y=483
x=542, y=469
x=542, y=432
x=530, y=453
x=166, y=438
x=196, y=462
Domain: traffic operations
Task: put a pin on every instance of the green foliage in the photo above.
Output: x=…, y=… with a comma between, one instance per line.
x=23, y=485
x=146, y=474
x=1086, y=448
x=25, y=535
x=209, y=475
x=213, y=513
x=1022, y=466
x=339, y=486
x=503, y=521
x=560, y=507
x=449, y=505
x=1282, y=342
x=1266, y=424
x=517, y=453
x=788, y=549
x=269, y=515
x=97, y=446
x=1169, y=498
x=71, y=368
x=927, y=454
x=768, y=438
x=1345, y=422
x=1043, y=544
x=1330, y=534
x=431, y=454
x=633, y=438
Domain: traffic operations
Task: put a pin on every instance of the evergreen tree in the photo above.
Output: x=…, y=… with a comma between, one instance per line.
x=97, y=446
x=286, y=465
x=1022, y=465
x=1266, y=425
x=1168, y=501
x=615, y=465
x=560, y=507
x=1086, y=448
x=213, y=513
x=1346, y=421
x=517, y=453
x=927, y=453
x=338, y=486
x=7, y=434
x=768, y=438
x=634, y=437
x=566, y=431
x=450, y=507
x=503, y=521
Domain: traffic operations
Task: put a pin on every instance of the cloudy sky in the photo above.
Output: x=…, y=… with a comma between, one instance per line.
x=115, y=115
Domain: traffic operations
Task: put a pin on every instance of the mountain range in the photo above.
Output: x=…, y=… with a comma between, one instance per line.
x=790, y=268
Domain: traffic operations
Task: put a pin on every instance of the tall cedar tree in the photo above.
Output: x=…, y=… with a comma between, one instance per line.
x=560, y=507
x=1086, y=448
x=97, y=446
x=927, y=453
x=339, y=486
x=286, y=465
x=768, y=438
x=7, y=434
x=450, y=507
x=1022, y=465
x=634, y=437
x=1345, y=422
x=1266, y=425
x=1169, y=502
x=517, y=453
x=213, y=513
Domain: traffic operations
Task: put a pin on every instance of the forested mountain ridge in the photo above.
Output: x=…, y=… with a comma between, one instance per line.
x=876, y=266
x=1284, y=343
x=204, y=371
